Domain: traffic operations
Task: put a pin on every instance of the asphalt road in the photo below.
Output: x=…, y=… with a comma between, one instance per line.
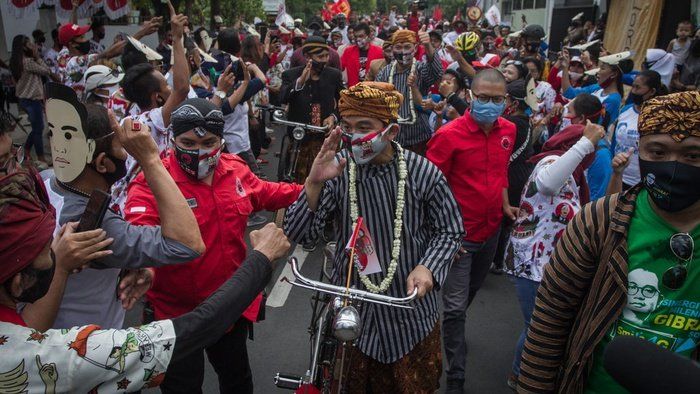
x=282, y=342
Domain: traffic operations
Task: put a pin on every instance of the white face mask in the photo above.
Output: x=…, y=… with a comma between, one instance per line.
x=207, y=41
x=575, y=76
x=365, y=147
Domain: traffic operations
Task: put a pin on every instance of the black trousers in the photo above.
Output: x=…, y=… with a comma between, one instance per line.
x=228, y=356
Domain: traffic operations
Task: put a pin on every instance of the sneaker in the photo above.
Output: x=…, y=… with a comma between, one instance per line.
x=455, y=386
x=495, y=270
x=256, y=219
x=512, y=382
x=309, y=246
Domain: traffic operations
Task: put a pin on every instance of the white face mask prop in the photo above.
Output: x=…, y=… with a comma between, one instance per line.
x=67, y=118
x=206, y=40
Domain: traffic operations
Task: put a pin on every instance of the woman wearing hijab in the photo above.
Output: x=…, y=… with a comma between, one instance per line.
x=662, y=62
x=554, y=193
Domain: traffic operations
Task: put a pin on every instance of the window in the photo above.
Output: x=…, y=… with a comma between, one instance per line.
x=517, y=4
x=528, y=4
x=541, y=3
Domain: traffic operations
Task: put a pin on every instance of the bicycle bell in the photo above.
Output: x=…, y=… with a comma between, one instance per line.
x=278, y=113
x=347, y=324
x=298, y=133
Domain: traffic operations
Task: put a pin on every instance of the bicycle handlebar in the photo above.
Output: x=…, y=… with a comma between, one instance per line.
x=352, y=294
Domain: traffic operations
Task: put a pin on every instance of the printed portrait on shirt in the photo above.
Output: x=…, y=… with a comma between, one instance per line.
x=71, y=149
x=642, y=295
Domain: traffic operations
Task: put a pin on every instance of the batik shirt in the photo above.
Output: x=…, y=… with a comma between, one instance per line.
x=161, y=134
x=431, y=236
x=72, y=69
x=84, y=359
x=541, y=222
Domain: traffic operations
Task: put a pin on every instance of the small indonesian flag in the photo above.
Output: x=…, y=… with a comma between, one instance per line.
x=366, y=259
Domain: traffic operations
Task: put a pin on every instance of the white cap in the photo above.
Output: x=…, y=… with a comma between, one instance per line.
x=583, y=47
x=298, y=33
x=145, y=49
x=283, y=30
x=616, y=58
x=99, y=75
x=218, y=19
x=515, y=34
x=577, y=17
x=298, y=20
x=326, y=26
x=593, y=71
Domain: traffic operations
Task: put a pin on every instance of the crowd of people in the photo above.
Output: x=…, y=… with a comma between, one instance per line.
x=464, y=148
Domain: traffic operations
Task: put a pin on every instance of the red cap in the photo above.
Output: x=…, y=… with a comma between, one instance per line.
x=69, y=31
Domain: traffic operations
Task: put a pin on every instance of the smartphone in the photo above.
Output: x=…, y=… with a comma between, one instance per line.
x=237, y=68
x=94, y=211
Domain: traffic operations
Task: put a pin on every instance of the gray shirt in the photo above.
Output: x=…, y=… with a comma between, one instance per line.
x=90, y=296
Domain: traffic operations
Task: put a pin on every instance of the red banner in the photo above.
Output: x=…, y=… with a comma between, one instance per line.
x=86, y=8
x=437, y=13
x=340, y=6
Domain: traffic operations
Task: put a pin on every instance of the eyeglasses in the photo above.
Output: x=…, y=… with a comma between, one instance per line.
x=514, y=62
x=648, y=291
x=682, y=246
x=484, y=99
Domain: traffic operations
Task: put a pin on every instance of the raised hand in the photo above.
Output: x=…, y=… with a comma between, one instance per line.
x=136, y=138
x=226, y=80
x=423, y=36
x=177, y=22
x=270, y=241
x=622, y=161
x=73, y=250
x=305, y=74
x=325, y=165
x=420, y=278
x=594, y=132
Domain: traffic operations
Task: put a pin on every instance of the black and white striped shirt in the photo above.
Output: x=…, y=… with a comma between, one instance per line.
x=432, y=232
x=427, y=74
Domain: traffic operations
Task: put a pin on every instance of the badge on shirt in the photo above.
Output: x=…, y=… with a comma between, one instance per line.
x=239, y=188
x=505, y=143
x=192, y=203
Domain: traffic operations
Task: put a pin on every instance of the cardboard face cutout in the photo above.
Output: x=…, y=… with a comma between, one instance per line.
x=67, y=118
x=151, y=55
x=531, y=98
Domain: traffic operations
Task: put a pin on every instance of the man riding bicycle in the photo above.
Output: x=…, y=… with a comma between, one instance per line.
x=312, y=92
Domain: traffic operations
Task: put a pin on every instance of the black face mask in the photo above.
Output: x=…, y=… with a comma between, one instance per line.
x=42, y=283
x=636, y=99
x=99, y=35
x=119, y=172
x=83, y=47
x=672, y=185
x=532, y=47
x=317, y=67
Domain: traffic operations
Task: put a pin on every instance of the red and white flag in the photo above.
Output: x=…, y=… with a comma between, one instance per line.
x=366, y=260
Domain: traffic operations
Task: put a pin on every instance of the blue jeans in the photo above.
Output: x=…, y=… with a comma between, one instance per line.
x=35, y=112
x=526, y=291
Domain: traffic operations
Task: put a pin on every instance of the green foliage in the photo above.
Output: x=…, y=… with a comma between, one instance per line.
x=199, y=11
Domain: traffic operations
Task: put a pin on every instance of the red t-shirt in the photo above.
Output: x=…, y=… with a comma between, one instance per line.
x=9, y=315
x=221, y=211
x=476, y=167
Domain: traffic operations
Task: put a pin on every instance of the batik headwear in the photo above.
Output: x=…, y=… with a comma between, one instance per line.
x=675, y=114
x=314, y=45
x=27, y=221
x=378, y=100
x=199, y=115
x=71, y=148
x=401, y=36
x=387, y=44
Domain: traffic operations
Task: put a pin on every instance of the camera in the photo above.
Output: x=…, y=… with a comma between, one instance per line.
x=421, y=4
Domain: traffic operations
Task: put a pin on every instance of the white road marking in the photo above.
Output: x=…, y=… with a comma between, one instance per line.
x=280, y=291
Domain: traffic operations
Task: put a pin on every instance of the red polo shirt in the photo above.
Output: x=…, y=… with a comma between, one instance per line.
x=476, y=167
x=221, y=211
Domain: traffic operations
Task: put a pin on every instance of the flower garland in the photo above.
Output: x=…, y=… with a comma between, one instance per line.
x=412, y=107
x=398, y=221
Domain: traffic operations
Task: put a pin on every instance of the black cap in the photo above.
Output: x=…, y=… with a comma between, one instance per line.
x=533, y=31
x=436, y=33
x=517, y=89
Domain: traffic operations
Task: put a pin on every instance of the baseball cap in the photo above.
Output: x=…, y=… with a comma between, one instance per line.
x=69, y=31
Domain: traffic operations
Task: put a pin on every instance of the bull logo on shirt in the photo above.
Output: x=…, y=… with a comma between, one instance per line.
x=526, y=222
x=563, y=213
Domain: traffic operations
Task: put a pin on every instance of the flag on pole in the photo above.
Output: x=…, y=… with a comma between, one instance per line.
x=437, y=13
x=340, y=6
x=365, y=255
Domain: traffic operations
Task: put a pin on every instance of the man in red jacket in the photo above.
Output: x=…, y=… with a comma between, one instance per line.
x=357, y=58
x=473, y=152
x=222, y=192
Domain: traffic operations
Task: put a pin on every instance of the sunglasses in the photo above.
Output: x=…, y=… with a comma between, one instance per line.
x=682, y=246
x=514, y=62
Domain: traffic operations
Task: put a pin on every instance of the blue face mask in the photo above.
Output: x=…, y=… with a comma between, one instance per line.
x=486, y=113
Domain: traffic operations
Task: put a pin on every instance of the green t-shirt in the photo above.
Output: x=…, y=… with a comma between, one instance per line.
x=668, y=318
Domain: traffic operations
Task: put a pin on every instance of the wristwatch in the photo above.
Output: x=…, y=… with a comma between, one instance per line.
x=220, y=94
